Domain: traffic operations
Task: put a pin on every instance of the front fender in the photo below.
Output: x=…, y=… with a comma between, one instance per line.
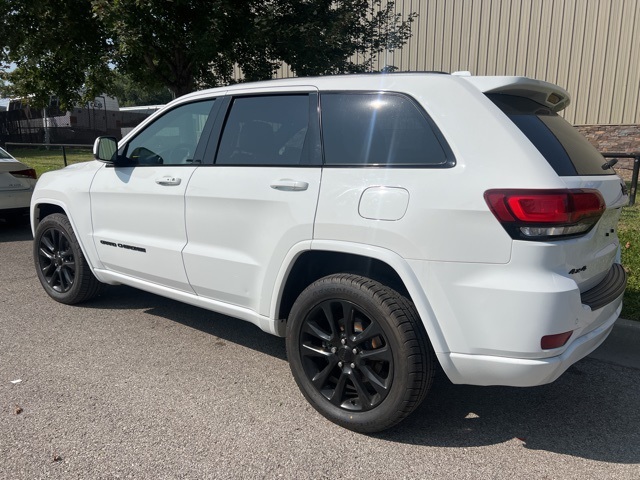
x=68, y=189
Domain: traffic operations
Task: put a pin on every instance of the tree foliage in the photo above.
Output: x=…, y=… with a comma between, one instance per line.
x=58, y=46
x=70, y=48
x=130, y=93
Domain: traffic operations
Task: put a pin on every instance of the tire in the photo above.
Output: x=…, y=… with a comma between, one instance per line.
x=60, y=264
x=359, y=352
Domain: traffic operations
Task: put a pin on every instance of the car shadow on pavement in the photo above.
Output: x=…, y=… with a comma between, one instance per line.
x=227, y=328
x=590, y=412
x=14, y=233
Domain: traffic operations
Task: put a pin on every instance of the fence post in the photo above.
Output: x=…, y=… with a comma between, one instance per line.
x=634, y=180
x=64, y=155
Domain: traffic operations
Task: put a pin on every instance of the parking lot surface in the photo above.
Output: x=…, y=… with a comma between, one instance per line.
x=132, y=385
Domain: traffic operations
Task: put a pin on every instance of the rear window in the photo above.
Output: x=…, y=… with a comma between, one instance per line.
x=566, y=150
x=4, y=155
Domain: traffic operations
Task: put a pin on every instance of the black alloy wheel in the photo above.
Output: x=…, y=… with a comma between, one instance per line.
x=56, y=260
x=60, y=264
x=346, y=355
x=359, y=352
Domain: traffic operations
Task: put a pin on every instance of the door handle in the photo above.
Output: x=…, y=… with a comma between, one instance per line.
x=168, y=181
x=288, y=185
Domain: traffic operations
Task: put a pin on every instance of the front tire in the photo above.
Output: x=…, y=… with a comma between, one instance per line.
x=60, y=264
x=358, y=352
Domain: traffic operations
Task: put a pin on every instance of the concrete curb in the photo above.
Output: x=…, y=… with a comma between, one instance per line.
x=622, y=347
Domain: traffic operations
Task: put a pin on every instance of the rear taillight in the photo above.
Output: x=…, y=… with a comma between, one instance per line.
x=546, y=214
x=28, y=173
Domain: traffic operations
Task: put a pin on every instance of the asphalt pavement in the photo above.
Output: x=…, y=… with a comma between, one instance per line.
x=136, y=386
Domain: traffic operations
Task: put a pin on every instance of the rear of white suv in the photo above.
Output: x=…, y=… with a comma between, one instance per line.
x=16, y=186
x=382, y=223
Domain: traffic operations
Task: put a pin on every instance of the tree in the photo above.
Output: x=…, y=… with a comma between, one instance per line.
x=58, y=46
x=183, y=45
x=130, y=93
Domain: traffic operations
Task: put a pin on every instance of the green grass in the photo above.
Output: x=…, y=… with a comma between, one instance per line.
x=628, y=229
x=44, y=160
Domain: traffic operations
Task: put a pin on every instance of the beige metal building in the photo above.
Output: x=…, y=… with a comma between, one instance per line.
x=589, y=47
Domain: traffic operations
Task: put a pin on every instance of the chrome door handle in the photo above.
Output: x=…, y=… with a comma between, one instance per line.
x=168, y=181
x=288, y=185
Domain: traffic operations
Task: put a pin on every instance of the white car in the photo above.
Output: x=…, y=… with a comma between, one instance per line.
x=386, y=225
x=16, y=187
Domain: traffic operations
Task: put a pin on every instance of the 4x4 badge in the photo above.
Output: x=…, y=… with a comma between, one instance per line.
x=573, y=271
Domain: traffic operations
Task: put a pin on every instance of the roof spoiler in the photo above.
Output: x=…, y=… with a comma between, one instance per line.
x=545, y=93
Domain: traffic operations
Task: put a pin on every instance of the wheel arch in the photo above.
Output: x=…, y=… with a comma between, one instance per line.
x=44, y=207
x=330, y=257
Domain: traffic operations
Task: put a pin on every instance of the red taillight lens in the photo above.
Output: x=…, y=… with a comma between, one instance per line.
x=545, y=214
x=555, y=341
x=28, y=173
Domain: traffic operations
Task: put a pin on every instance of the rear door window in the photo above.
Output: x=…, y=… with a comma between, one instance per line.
x=566, y=150
x=266, y=130
x=380, y=129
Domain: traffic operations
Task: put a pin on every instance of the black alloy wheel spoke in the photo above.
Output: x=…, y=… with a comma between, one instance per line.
x=61, y=241
x=382, y=354
x=313, y=329
x=363, y=395
x=372, y=331
x=338, y=392
x=331, y=320
x=320, y=379
x=52, y=278
x=66, y=274
x=379, y=384
x=46, y=253
x=48, y=243
x=309, y=350
x=349, y=313
x=46, y=269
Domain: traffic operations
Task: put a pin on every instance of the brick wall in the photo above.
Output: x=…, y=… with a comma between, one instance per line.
x=613, y=138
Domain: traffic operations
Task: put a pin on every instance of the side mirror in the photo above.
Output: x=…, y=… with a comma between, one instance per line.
x=105, y=149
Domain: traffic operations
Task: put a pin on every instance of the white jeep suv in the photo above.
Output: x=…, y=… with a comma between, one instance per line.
x=384, y=224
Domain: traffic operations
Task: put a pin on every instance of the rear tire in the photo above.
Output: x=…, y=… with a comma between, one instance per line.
x=359, y=352
x=60, y=264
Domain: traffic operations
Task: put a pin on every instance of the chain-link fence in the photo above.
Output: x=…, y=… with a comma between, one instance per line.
x=77, y=126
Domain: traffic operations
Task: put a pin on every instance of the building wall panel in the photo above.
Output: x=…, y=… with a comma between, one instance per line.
x=589, y=47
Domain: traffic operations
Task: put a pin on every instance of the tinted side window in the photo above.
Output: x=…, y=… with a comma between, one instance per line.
x=566, y=150
x=265, y=130
x=171, y=139
x=379, y=129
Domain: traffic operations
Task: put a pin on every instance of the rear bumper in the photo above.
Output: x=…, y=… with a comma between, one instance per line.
x=610, y=288
x=14, y=199
x=493, y=317
x=521, y=372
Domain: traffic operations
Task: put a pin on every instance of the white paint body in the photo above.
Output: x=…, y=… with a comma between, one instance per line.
x=15, y=191
x=225, y=239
